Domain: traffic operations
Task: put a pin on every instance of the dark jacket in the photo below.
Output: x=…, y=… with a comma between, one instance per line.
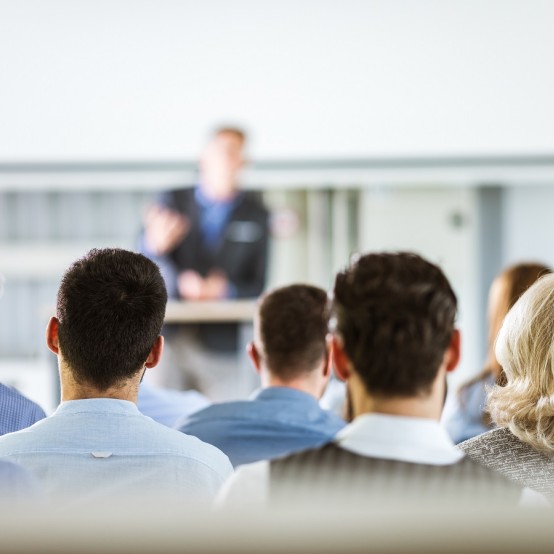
x=241, y=254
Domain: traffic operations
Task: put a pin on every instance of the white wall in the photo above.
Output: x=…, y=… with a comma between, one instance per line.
x=441, y=224
x=91, y=79
x=528, y=226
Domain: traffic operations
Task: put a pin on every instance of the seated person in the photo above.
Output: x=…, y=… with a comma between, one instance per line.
x=522, y=447
x=468, y=416
x=394, y=342
x=106, y=334
x=168, y=406
x=291, y=355
x=211, y=243
x=17, y=411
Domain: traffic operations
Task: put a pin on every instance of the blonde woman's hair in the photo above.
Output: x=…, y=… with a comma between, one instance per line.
x=525, y=350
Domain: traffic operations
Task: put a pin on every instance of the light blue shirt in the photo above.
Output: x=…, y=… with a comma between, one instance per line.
x=168, y=406
x=466, y=418
x=17, y=411
x=274, y=422
x=18, y=487
x=91, y=449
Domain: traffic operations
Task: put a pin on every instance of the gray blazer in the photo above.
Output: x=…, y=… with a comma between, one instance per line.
x=502, y=451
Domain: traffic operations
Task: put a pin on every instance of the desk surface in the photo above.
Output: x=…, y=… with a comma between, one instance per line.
x=220, y=311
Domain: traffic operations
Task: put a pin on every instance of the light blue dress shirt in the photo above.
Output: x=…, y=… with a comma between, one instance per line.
x=274, y=422
x=168, y=406
x=92, y=449
x=18, y=487
x=466, y=418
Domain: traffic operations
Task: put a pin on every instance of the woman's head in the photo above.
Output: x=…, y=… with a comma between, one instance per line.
x=504, y=292
x=525, y=350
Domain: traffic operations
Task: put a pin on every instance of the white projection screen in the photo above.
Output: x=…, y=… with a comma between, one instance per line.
x=89, y=80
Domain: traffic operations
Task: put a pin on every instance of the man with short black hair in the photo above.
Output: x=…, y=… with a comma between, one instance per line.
x=394, y=342
x=291, y=354
x=106, y=333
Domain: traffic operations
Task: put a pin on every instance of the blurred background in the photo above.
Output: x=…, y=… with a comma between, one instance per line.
x=373, y=124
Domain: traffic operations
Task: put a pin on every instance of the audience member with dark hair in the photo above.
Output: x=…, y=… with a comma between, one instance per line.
x=522, y=447
x=291, y=354
x=106, y=333
x=211, y=242
x=468, y=417
x=394, y=342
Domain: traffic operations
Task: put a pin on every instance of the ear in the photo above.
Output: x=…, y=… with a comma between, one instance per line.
x=327, y=366
x=52, y=335
x=156, y=353
x=453, y=353
x=340, y=359
x=254, y=356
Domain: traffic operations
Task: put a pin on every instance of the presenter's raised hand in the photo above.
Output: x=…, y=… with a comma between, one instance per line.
x=164, y=229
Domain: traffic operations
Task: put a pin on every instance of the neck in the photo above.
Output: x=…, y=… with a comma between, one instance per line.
x=73, y=390
x=428, y=406
x=307, y=384
x=218, y=193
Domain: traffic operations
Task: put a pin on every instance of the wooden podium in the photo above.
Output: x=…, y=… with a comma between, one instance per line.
x=223, y=311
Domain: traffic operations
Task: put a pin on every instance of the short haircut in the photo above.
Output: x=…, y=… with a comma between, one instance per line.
x=524, y=348
x=292, y=323
x=395, y=313
x=231, y=130
x=110, y=306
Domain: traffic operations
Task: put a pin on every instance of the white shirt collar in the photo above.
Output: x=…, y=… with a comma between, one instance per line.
x=408, y=439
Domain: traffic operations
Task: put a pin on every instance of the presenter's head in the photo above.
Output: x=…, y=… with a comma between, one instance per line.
x=109, y=314
x=221, y=162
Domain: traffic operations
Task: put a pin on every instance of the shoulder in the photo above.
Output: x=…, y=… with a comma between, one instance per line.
x=9, y=470
x=220, y=412
x=9, y=394
x=252, y=203
x=222, y=409
x=333, y=420
x=15, y=404
x=475, y=390
x=184, y=446
x=490, y=441
x=18, y=484
x=177, y=198
x=21, y=441
x=248, y=486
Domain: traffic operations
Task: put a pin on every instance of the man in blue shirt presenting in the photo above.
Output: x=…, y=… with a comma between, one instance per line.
x=290, y=352
x=97, y=445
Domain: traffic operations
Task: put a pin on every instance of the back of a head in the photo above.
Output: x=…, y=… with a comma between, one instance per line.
x=506, y=289
x=110, y=306
x=292, y=324
x=395, y=313
x=525, y=349
x=239, y=133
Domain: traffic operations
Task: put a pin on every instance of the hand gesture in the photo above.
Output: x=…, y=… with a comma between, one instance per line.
x=164, y=229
